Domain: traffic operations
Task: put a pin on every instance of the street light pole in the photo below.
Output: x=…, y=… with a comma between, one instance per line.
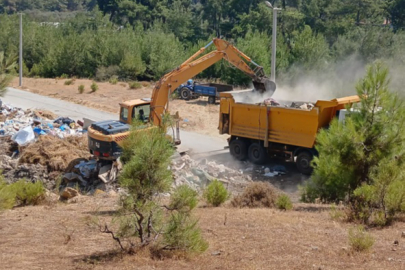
x=274, y=41
x=21, y=50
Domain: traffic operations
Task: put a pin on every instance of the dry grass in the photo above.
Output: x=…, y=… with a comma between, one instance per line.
x=45, y=114
x=36, y=238
x=257, y=194
x=55, y=153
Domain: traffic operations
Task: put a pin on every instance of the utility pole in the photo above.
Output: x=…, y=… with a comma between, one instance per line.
x=21, y=50
x=274, y=41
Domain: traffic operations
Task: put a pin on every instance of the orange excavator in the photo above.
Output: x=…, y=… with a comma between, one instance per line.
x=105, y=137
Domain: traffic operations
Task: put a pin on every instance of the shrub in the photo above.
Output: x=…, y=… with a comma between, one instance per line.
x=20, y=193
x=182, y=233
x=284, y=202
x=335, y=213
x=81, y=89
x=183, y=199
x=94, y=87
x=105, y=73
x=69, y=82
x=359, y=239
x=7, y=198
x=145, y=84
x=64, y=76
x=113, y=80
x=215, y=193
x=27, y=193
x=135, y=85
x=258, y=194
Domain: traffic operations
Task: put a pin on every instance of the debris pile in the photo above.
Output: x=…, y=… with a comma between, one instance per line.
x=197, y=174
x=24, y=126
x=55, y=153
x=38, y=146
x=295, y=105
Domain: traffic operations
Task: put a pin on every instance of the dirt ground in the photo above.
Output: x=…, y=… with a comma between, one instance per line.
x=46, y=237
x=197, y=115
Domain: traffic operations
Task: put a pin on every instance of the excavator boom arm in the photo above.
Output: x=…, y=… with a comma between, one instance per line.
x=191, y=67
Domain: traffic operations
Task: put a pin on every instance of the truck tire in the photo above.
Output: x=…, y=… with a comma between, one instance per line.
x=211, y=100
x=185, y=93
x=304, y=163
x=238, y=149
x=257, y=153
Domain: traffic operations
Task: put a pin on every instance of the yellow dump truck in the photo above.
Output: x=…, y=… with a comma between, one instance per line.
x=259, y=130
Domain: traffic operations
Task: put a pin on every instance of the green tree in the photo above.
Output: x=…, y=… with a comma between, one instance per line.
x=145, y=176
x=7, y=66
x=362, y=160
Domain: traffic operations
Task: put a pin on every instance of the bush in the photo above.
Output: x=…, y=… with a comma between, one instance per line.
x=183, y=199
x=64, y=76
x=182, y=233
x=20, y=193
x=94, y=87
x=27, y=193
x=81, y=89
x=215, y=193
x=7, y=198
x=106, y=73
x=257, y=194
x=359, y=239
x=69, y=82
x=284, y=202
x=335, y=213
x=113, y=80
x=135, y=85
x=145, y=84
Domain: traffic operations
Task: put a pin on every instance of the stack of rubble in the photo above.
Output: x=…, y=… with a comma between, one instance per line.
x=24, y=126
x=198, y=174
x=36, y=145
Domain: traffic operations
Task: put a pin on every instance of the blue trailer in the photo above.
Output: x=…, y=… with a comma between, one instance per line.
x=192, y=90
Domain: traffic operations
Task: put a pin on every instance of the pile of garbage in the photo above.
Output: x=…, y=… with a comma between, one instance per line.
x=297, y=105
x=37, y=145
x=198, y=174
x=24, y=126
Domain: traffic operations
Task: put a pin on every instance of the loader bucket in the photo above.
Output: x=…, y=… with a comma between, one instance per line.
x=265, y=85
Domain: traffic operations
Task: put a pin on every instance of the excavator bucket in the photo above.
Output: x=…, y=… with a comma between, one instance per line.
x=265, y=85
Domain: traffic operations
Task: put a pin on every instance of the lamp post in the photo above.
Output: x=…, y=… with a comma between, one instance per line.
x=20, y=60
x=273, y=39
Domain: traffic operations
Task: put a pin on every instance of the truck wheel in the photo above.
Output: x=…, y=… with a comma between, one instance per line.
x=238, y=149
x=185, y=93
x=211, y=100
x=257, y=153
x=304, y=163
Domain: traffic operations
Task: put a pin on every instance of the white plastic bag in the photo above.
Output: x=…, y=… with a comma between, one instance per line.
x=24, y=136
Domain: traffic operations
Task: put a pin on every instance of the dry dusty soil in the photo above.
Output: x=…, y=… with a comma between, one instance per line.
x=62, y=236
x=197, y=115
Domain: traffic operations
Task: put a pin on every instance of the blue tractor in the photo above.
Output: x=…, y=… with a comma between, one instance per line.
x=192, y=90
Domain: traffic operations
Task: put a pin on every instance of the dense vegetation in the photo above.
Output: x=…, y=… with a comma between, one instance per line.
x=142, y=39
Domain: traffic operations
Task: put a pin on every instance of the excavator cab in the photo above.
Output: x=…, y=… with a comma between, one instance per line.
x=135, y=110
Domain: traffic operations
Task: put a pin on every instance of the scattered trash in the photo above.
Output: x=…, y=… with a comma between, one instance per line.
x=197, y=175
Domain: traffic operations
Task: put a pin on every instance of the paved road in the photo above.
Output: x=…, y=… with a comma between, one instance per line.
x=198, y=143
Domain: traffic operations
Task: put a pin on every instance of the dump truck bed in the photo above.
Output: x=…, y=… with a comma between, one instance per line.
x=290, y=126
